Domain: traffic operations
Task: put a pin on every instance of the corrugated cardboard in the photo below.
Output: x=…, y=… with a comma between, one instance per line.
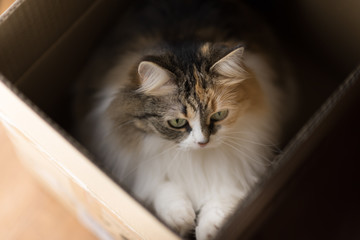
x=26, y=43
x=71, y=175
x=40, y=36
x=304, y=150
x=43, y=44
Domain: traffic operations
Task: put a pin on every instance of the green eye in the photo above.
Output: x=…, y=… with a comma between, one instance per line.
x=218, y=116
x=177, y=122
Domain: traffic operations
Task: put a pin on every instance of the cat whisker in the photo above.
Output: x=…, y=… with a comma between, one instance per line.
x=246, y=154
x=249, y=133
x=246, y=140
x=173, y=160
x=273, y=146
x=117, y=127
x=147, y=161
x=123, y=124
x=247, y=150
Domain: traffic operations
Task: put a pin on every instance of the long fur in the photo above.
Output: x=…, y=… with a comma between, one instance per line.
x=187, y=186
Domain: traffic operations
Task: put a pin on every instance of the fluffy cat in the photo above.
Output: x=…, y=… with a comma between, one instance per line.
x=182, y=105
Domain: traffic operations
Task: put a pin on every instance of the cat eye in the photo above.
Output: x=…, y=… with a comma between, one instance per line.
x=177, y=122
x=218, y=116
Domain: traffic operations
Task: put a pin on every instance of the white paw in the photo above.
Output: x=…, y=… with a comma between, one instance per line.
x=180, y=216
x=209, y=224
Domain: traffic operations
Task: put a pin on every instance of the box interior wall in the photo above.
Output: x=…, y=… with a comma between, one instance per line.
x=67, y=41
x=61, y=36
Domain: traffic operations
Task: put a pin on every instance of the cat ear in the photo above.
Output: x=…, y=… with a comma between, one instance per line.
x=231, y=65
x=154, y=79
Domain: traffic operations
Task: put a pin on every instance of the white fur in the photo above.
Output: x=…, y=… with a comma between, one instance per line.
x=195, y=137
x=180, y=180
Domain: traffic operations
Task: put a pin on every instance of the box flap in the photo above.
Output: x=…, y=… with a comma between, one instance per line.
x=50, y=55
x=30, y=27
x=31, y=126
x=269, y=193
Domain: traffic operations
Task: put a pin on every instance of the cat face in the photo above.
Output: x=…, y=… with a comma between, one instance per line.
x=193, y=104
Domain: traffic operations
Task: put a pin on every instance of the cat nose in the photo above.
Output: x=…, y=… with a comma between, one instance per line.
x=203, y=143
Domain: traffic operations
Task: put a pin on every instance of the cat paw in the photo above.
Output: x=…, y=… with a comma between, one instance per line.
x=180, y=216
x=209, y=224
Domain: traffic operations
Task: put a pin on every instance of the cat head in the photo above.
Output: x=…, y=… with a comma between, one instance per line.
x=193, y=95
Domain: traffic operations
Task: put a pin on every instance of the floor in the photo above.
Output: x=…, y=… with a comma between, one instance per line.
x=27, y=211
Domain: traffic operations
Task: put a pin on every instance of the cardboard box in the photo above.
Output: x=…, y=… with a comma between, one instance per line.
x=37, y=38
x=44, y=43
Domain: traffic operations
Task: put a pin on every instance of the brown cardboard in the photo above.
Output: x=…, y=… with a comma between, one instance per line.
x=50, y=63
x=42, y=46
x=38, y=24
x=262, y=203
x=68, y=173
x=35, y=54
x=332, y=27
x=321, y=200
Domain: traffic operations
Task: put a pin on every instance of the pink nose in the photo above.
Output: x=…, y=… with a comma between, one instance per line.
x=203, y=144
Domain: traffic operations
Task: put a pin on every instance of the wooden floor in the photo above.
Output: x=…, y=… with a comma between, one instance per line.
x=28, y=211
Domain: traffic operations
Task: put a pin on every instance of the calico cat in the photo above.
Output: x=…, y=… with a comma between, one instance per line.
x=182, y=105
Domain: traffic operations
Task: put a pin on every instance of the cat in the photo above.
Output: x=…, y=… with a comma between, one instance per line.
x=183, y=105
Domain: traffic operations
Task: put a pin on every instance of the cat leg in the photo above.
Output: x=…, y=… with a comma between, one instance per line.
x=211, y=218
x=174, y=208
